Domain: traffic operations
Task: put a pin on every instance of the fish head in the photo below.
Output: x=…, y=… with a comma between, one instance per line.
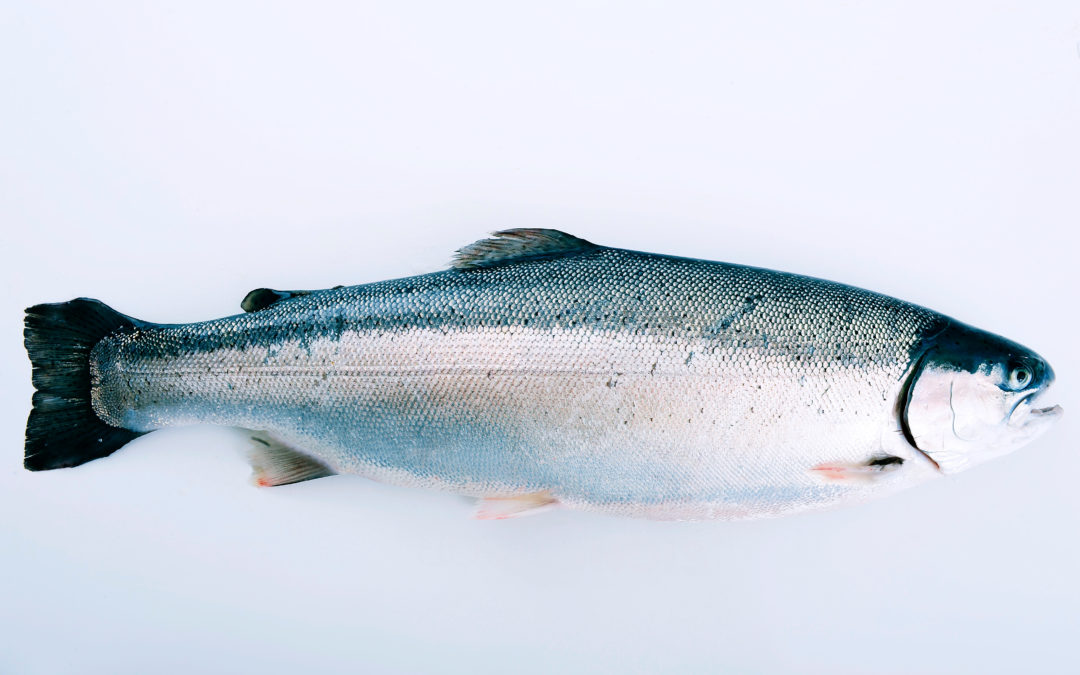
x=973, y=396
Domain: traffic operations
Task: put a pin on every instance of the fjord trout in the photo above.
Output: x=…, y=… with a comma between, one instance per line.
x=543, y=370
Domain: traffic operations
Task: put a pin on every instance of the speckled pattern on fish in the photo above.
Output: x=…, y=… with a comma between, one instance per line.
x=606, y=379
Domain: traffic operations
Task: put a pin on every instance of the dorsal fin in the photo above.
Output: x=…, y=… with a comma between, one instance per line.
x=516, y=245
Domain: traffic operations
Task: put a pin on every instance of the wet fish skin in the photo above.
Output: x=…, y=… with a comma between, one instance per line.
x=603, y=379
x=614, y=380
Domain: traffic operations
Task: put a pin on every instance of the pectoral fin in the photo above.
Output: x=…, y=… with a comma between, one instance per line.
x=859, y=472
x=275, y=463
x=501, y=508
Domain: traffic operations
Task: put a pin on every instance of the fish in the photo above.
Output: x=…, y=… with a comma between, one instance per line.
x=543, y=371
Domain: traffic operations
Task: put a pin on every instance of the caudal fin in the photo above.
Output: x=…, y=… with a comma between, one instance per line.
x=63, y=429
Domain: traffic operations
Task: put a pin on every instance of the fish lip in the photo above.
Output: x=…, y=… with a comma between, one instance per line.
x=1046, y=412
x=1049, y=411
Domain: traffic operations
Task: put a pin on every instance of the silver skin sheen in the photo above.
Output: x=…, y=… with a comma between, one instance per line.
x=543, y=370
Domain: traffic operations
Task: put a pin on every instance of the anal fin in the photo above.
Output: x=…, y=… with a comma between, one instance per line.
x=276, y=463
x=501, y=508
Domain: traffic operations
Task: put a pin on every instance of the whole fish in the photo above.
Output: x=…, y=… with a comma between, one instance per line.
x=543, y=370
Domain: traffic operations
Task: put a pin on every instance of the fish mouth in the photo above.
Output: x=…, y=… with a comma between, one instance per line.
x=1050, y=412
x=1045, y=414
x=1026, y=411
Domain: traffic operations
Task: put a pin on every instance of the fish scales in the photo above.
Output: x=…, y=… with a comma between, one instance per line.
x=612, y=379
x=542, y=370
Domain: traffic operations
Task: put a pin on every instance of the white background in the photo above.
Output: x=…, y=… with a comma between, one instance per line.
x=168, y=157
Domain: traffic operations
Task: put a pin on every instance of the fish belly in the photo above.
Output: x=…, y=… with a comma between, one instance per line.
x=601, y=422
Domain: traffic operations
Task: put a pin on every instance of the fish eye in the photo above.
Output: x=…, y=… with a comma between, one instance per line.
x=1019, y=377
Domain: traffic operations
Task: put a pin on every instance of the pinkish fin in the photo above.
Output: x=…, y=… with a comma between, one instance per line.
x=516, y=245
x=501, y=508
x=275, y=463
x=860, y=472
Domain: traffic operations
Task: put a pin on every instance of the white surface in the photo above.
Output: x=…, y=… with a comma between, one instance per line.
x=168, y=159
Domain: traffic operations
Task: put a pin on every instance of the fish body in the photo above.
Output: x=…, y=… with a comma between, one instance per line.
x=542, y=369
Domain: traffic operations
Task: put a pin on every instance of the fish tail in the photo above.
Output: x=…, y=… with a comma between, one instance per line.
x=63, y=429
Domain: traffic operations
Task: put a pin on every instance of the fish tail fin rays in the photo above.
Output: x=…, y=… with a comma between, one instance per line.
x=63, y=429
x=274, y=462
